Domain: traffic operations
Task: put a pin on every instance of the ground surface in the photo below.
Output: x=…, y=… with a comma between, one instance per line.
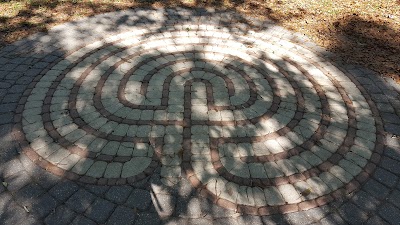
x=359, y=32
x=193, y=116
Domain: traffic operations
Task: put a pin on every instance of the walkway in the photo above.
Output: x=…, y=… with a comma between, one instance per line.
x=183, y=116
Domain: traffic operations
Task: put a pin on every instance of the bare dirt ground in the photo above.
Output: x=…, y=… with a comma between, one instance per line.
x=359, y=31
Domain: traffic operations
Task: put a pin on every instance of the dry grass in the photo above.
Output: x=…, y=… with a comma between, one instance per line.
x=366, y=32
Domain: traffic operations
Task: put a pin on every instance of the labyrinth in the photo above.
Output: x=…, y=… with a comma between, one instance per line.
x=255, y=121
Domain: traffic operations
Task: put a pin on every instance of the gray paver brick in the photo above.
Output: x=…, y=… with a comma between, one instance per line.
x=385, y=177
x=97, y=169
x=62, y=215
x=139, y=199
x=148, y=218
x=273, y=196
x=135, y=166
x=81, y=220
x=122, y=215
x=80, y=201
x=352, y=214
x=376, y=189
x=113, y=170
x=63, y=190
x=376, y=220
x=389, y=213
x=100, y=210
x=44, y=205
x=365, y=201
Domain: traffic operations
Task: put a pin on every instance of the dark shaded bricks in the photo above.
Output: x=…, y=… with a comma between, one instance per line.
x=385, y=177
x=100, y=210
x=118, y=194
x=376, y=189
x=80, y=201
x=60, y=216
x=352, y=214
x=63, y=190
x=122, y=215
x=140, y=199
x=389, y=213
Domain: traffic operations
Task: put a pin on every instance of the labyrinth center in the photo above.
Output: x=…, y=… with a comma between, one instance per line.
x=255, y=122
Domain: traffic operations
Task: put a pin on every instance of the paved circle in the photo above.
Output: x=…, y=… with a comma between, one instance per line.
x=256, y=121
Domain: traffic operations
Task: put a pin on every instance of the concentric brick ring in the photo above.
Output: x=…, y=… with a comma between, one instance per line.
x=256, y=124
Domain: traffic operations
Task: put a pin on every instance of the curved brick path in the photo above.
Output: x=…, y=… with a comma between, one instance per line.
x=192, y=116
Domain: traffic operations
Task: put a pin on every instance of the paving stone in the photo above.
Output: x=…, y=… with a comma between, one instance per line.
x=390, y=118
x=273, y=170
x=63, y=190
x=62, y=215
x=393, y=128
x=331, y=181
x=100, y=210
x=139, y=199
x=352, y=214
x=275, y=220
x=111, y=148
x=16, y=215
x=389, y=213
x=44, y=205
x=216, y=211
x=299, y=218
x=226, y=221
x=394, y=198
x=118, y=194
x=385, y=177
x=17, y=181
x=273, y=196
x=332, y=219
x=81, y=220
x=163, y=204
x=97, y=169
x=12, y=167
x=113, y=170
x=198, y=221
x=45, y=179
x=287, y=167
x=189, y=207
x=80, y=201
x=28, y=194
x=148, y=218
x=122, y=215
x=316, y=214
x=392, y=153
x=376, y=189
x=365, y=201
x=97, y=189
x=135, y=166
x=289, y=193
x=376, y=220
x=391, y=165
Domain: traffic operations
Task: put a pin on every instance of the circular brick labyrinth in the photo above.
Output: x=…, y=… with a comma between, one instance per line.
x=256, y=122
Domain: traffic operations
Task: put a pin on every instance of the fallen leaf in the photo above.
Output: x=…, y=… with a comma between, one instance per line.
x=306, y=192
x=26, y=209
x=5, y=184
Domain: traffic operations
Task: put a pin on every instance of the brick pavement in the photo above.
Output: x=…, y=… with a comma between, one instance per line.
x=180, y=116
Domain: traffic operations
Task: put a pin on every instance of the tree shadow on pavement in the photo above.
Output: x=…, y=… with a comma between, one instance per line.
x=33, y=194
